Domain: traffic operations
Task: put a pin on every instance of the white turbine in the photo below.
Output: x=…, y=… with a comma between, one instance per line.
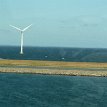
x=22, y=31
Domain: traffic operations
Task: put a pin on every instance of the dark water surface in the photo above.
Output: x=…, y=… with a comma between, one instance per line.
x=31, y=90
x=54, y=54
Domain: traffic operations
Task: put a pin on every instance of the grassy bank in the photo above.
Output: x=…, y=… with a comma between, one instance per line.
x=52, y=64
x=81, y=68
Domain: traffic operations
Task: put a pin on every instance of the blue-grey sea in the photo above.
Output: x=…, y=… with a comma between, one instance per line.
x=55, y=54
x=32, y=90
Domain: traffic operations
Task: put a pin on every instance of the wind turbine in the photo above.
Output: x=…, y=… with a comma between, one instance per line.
x=22, y=32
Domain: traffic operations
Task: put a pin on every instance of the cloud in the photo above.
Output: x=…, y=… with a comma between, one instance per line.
x=91, y=20
x=84, y=21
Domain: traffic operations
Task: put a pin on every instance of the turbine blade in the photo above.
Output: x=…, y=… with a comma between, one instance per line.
x=27, y=27
x=15, y=27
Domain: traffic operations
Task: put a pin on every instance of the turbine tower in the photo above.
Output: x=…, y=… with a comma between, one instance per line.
x=21, y=31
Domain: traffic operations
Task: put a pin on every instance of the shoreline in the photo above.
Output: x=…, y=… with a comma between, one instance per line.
x=53, y=72
x=54, y=68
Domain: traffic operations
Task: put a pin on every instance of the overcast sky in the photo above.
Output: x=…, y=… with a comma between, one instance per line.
x=62, y=23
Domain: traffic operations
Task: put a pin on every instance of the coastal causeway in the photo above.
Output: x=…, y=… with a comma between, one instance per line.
x=54, y=67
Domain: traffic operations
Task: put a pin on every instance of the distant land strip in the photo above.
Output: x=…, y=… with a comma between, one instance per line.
x=54, y=67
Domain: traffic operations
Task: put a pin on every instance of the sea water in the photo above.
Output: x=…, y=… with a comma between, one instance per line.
x=31, y=90
x=54, y=54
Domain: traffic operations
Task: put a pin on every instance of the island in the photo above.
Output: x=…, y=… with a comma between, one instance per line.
x=54, y=67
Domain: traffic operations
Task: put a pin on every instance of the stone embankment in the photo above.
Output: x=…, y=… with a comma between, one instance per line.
x=53, y=71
